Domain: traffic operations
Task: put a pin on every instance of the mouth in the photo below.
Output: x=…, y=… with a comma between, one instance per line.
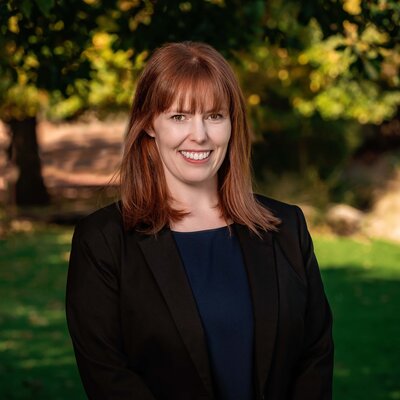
x=196, y=155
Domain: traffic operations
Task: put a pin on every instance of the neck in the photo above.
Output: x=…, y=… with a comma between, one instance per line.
x=201, y=202
x=194, y=197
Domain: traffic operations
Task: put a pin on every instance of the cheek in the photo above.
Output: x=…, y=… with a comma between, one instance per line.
x=168, y=138
x=222, y=135
x=227, y=138
x=228, y=132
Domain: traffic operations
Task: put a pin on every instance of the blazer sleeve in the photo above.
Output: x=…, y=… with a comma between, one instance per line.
x=314, y=371
x=92, y=310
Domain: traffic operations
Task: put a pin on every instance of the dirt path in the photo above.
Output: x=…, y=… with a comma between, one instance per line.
x=73, y=155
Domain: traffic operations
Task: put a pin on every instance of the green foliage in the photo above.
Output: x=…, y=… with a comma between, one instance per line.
x=20, y=101
x=41, y=45
x=336, y=59
x=337, y=91
x=110, y=85
x=352, y=73
x=225, y=24
x=312, y=89
x=42, y=42
x=86, y=53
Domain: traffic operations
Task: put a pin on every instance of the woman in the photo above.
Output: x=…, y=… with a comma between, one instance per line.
x=192, y=287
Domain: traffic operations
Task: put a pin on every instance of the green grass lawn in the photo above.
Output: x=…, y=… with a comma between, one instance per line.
x=36, y=358
x=362, y=281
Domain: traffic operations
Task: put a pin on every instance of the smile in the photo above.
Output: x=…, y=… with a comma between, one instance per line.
x=196, y=155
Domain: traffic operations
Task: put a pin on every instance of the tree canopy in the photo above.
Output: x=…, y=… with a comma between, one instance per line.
x=339, y=59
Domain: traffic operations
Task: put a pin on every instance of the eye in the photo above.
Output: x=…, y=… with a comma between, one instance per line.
x=215, y=117
x=178, y=117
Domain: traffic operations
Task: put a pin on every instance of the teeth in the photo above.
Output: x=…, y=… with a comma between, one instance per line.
x=196, y=155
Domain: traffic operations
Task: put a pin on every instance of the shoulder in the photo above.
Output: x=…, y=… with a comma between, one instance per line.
x=293, y=236
x=290, y=214
x=105, y=218
x=279, y=208
x=98, y=239
x=293, y=230
x=104, y=224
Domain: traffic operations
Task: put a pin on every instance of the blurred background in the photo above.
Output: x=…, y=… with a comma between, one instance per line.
x=322, y=85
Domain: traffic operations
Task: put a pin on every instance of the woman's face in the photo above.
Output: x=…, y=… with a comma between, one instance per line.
x=192, y=147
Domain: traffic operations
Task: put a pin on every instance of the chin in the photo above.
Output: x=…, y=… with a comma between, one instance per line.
x=193, y=181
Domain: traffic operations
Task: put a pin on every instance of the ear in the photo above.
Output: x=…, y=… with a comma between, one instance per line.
x=150, y=131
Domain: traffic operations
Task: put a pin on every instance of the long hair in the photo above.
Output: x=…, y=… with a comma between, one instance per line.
x=174, y=72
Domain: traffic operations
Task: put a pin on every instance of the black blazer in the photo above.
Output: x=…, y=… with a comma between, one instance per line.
x=135, y=327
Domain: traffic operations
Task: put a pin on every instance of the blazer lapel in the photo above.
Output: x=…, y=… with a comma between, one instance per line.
x=164, y=261
x=260, y=263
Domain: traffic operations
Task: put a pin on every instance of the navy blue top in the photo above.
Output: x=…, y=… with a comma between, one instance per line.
x=216, y=272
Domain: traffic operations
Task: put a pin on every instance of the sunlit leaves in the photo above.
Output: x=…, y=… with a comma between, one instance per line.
x=21, y=101
x=313, y=57
x=57, y=45
x=111, y=83
x=351, y=100
x=254, y=99
x=351, y=74
x=13, y=24
x=352, y=6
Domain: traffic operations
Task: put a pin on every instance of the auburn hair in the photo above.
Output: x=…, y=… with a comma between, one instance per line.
x=174, y=72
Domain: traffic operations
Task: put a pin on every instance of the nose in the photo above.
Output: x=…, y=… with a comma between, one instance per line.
x=198, y=129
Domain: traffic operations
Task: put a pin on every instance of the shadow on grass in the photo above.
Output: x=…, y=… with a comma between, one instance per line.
x=36, y=356
x=37, y=362
x=366, y=312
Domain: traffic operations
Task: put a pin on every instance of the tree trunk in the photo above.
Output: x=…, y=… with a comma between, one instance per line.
x=29, y=188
